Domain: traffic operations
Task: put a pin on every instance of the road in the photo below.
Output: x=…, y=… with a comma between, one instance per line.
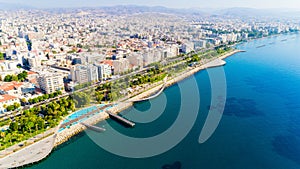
x=11, y=115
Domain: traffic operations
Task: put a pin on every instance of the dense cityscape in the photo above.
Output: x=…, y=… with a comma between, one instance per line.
x=48, y=55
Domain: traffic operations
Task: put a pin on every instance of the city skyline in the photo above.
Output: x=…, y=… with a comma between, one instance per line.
x=215, y=4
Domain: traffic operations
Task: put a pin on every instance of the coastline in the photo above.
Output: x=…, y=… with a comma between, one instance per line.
x=66, y=134
x=74, y=130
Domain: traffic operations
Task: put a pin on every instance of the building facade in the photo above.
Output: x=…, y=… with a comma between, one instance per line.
x=51, y=82
x=84, y=73
x=104, y=71
x=120, y=65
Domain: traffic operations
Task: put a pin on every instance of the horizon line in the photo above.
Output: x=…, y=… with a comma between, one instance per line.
x=140, y=5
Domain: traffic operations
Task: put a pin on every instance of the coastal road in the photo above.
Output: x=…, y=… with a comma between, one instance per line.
x=29, y=154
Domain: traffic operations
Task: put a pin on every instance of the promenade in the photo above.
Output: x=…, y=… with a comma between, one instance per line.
x=30, y=154
x=42, y=148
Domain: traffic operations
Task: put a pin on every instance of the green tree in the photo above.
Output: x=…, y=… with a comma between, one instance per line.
x=99, y=97
x=41, y=123
x=29, y=126
x=8, y=78
x=14, y=78
x=51, y=95
x=35, y=100
x=10, y=108
x=46, y=96
x=17, y=105
x=23, y=100
x=1, y=56
x=14, y=126
x=9, y=138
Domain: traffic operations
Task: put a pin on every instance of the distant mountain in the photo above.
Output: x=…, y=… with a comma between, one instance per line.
x=238, y=11
x=251, y=12
x=121, y=9
x=133, y=9
x=13, y=6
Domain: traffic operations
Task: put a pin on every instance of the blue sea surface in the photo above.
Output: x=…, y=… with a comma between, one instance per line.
x=259, y=129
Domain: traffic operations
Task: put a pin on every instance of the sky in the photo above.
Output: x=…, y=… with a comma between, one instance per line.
x=167, y=3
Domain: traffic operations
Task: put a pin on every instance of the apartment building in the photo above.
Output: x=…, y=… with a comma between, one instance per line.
x=51, y=82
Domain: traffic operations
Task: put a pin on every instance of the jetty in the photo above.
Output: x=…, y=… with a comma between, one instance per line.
x=94, y=128
x=120, y=119
x=152, y=96
x=215, y=63
x=260, y=46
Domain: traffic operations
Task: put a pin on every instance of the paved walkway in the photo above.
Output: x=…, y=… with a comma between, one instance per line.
x=29, y=154
x=15, y=147
x=41, y=149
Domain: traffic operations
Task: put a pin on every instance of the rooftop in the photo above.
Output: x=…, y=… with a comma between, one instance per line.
x=6, y=97
x=7, y=86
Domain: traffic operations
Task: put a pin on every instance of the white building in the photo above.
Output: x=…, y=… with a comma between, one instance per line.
x=12, y=88
x=232, y=37
x=7, y=100
x=92, y=73
x=200, y=44
x=79, y=74
x=51, y=82
x=136, y=60
x=84, y=73
x=34, y=61
x=104, y=71
x=173, y=50
x=120, y=65
x=153, y=55
x=187, y=47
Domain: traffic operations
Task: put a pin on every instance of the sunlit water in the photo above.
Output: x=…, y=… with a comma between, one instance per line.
x=260, y=128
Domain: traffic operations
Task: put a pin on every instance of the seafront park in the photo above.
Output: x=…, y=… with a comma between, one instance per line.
x=40, y=146
x=65, y=70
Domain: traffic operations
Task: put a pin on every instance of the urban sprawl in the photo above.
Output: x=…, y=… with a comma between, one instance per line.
x=44, y=53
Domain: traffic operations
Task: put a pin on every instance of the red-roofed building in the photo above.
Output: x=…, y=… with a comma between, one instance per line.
x=108, y=62
x=7, y=100
x=12, y=88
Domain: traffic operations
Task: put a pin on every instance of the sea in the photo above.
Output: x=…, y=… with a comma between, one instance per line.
x=258, y=129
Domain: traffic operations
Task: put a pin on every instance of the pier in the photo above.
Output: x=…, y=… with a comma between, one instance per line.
x=215, y=63
x=94, y=128
x=121, y=119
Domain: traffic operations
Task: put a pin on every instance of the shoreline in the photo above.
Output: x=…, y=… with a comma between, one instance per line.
x=64, y=136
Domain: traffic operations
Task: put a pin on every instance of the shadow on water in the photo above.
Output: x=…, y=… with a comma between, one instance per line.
x=176, y=165
x=288, y=146
x=241, y=108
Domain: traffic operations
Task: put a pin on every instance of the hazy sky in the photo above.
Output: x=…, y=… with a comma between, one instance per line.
x=167, y=3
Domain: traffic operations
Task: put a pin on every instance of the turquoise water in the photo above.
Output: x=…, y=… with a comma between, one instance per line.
x=82, y=112
x=259, y=129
